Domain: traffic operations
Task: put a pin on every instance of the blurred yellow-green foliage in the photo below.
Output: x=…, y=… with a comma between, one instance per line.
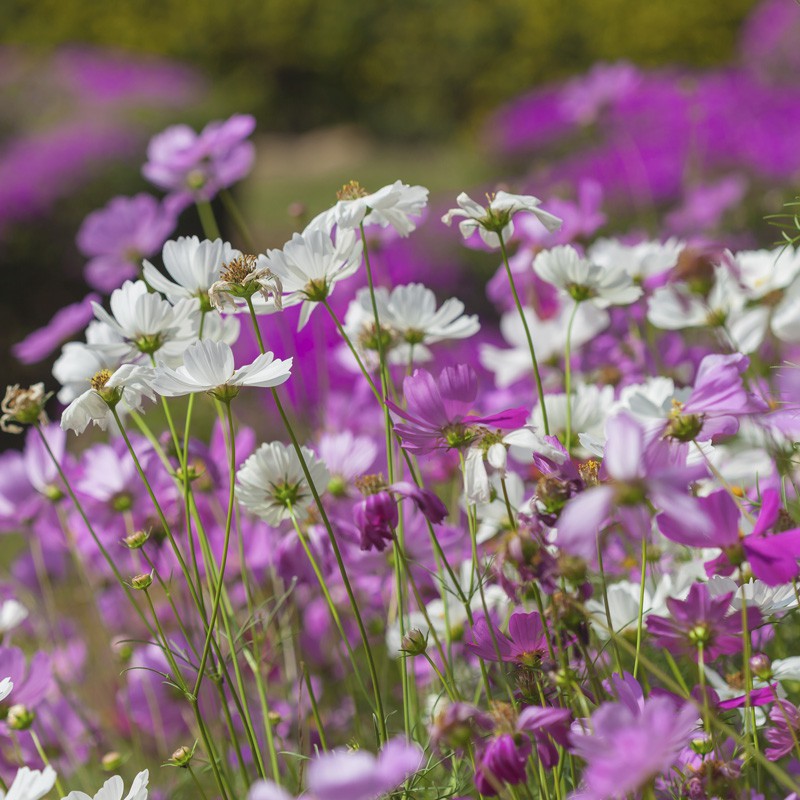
x=405, y=68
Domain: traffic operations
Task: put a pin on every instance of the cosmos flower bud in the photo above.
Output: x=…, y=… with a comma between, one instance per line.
x=111, y=761
x=20, y=717
x=143, y=581
x=181, y=757
x=761, y=666
x=136, y=539
x=415, y=643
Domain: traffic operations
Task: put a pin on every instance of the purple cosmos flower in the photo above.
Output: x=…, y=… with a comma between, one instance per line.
x=65, y=323
x=376, y=516
x=525, y=644
x=701, y=621
x=773, y=558
x=625, y=749
x=548, y=727
x=639, y=475
x=118, y=236
x=503, y=761
x=437, y=411
x=31, y=681
x=356, y=775
x=196, y=166
x=783, y=731
x=717, y=402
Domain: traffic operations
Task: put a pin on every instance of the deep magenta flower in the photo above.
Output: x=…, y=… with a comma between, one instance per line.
x=773, y=557
x=194, y=166
x=376, y=516
x=503, y=761
x=641, y=475
x=626, y=749
x=701, y=621
x=526, y=642
x=437, y=412
x=118, y=236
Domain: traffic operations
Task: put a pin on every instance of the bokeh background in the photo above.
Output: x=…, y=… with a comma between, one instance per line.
x=665, y=117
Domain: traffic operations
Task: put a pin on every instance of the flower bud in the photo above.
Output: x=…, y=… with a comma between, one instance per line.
x=112, y=761
x=702, y=744
x=20, y=717
x=143, y=581
x=181, y=757
x=136, y=539
x=761, y=666
x=415, y=643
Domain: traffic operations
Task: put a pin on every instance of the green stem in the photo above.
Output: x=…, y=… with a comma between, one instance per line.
x=640, y=620
x=238, y=218
x=207, y=220
x=568, y=378
x=521, y=312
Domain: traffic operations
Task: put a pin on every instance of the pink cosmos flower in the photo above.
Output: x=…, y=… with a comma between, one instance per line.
x=196, y=166
x=437, y=412
x=525, y=644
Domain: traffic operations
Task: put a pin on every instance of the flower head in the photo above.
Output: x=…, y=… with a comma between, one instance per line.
x=23, y=407
x=272, y=485
x=113, y=788
x=495, y=221
x=244, y=277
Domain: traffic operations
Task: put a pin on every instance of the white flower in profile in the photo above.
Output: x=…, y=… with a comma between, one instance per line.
x=675, y=307
x=397, y=205
x=12, y=615
x=768, y=600
x=641, y=261
x=6, y=685
x=80, y=360
x=311, y=264
x=113, y=788
x=208, y=366
x=409, y=322
x=764, y=272
x=30, y=784
x=623, y=609
x=496, y=219
x=193, y=265
x=128, y=385
x=493, y=515
x=582, y=280
x=513, y=363
x=271, y=482
x=146, y=323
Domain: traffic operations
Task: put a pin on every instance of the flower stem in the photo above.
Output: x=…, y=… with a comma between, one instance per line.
x=207, y=219
x=640, y=618
x=568, y=378
x=520, y=311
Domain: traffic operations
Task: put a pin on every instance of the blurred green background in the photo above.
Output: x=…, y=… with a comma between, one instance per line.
x=407, y=69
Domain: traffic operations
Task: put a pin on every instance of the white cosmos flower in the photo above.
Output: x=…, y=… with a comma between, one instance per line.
x=497, y=217
x=493, y=515
x=12, y=614
x=311, y=264
x=146, y=323
x=208, y=367
x=127, y=386
x=675, y=307
x=640, y=261
x=582, y=280
x=272, y=480
x=768, y=599
x=113, y=788
x=6, y=685
x=30, y=784
x=397, y=205
x=192, y=264
x=550, y=336
x=409, y=319
x=763, y=272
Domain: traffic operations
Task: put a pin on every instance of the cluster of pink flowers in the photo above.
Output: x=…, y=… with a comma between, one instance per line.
x=305, y=529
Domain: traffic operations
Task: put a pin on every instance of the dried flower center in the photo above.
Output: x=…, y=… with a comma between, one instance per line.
x=25, y=406
x=370, y=484
x=589, y=471
x=239, y=269
x=100, y=379
x=352, y=190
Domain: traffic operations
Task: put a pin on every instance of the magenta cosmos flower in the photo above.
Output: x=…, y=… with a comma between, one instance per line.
x=194, y=166
x=773, y=557
x=526, y=642
x=117, y=237
x=701, y=621
x=640, y=476
x=436, y=413
x=627, y=747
